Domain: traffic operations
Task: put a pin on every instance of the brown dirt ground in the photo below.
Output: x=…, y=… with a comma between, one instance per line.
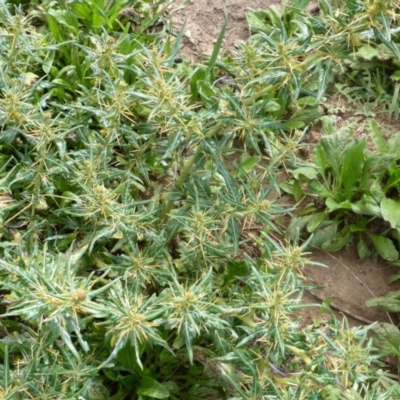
x=204, y=20
x=347, y=282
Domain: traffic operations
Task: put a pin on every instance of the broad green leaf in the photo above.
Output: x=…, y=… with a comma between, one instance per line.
x=274, y=16
x=318, y=188
x=384, y=303
x=359, y=226
x=396, y=76
x=367, y=52
x=292, y=187
x=287, y=186
x=319, y=158
x=97, y=391
x=250, y=163
x=205, y=90
x=256, y=21
x=54, y=28
x=393, y=278
x=272, y=106
x=298, y=192
x=66, y=18
x=379, y=139
x=384, y=247
x=235, y=269
x=334, y=205
x=333, y=146
x=390, y=210
x=297, y=224
x=199, y=74
x=340, y=240
x=353, y=162
x=81, y=10
x=308, y=172
x=294, y=124
x=325, y=77
x=376, y=191
x=366, y=206
x=328, y=125
x=384, y=335
x=393, y=181
x=151, y=388
x=362, y=250
x=307, y=101
x=126, y=357
x=316, y=220
x=48, y=61
x=324, y=234
x=300, y=4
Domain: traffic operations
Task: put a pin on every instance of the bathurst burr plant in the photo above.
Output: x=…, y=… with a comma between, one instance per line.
x=141, y=252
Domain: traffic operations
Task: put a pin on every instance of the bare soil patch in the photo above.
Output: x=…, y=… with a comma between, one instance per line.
x=204, y=20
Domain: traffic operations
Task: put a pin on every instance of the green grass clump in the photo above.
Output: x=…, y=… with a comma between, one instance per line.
x=139, y=241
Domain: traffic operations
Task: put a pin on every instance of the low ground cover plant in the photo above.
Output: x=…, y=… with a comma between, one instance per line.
x=140, y=251
x=358, y=190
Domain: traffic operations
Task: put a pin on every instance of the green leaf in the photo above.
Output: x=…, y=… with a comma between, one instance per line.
x=319, y=158
x=332, y=146
x=340, y=240
x=367, y=52
x=151, y=388
x=54, y=29
x=297, y=224
x=331, y=392
x=272, y=106
x=376, y=191
x=235, y=269
x=250, y=163
x=353, y=162
x=318, y=188
x=316, y=220
x=66, y=18
x=97, y=391
x=308, y=172
x=81, y=10
x=385, y=336
x=362, y=250
x=325, y=234
x=217, y=46
x=390, y=210
x=395, y=76
x=256, y=21
x=293, y=124
x=384, y=247
x=379, y=139
x=324, y=78
x=334, y=205
x=366, y=206
x=300, y=5
x=393, y=278
x=126, y=357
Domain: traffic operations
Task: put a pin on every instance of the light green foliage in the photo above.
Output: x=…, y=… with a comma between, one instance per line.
x=129, y=182
x=359, y=189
